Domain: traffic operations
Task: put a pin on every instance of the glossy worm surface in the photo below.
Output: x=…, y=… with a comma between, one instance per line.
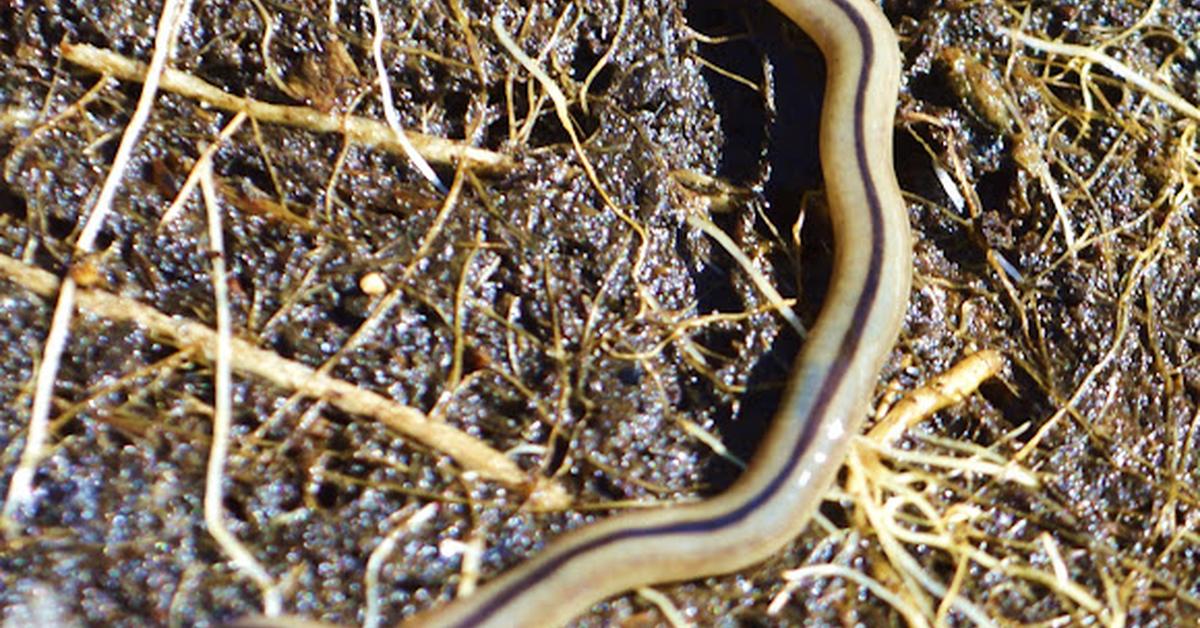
x=830, y=386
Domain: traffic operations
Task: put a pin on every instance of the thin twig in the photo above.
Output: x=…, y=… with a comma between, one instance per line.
x=407, y=521
x=1093, y=55
x=362, y=131
x=202, y=162
x=472, y=454
x=564, y=116
x=389, y=106
x=20, y=488
x=214, y=516
x=760, y=281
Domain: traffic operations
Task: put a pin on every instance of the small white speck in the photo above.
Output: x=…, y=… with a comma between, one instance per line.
x=820, y=457
x=835, y=430
x=372, y=284
x=804, y=478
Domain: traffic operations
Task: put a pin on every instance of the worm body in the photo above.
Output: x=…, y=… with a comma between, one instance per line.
x=829, y=390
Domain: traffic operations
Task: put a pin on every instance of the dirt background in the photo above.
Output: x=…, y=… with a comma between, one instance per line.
x=579, y=329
